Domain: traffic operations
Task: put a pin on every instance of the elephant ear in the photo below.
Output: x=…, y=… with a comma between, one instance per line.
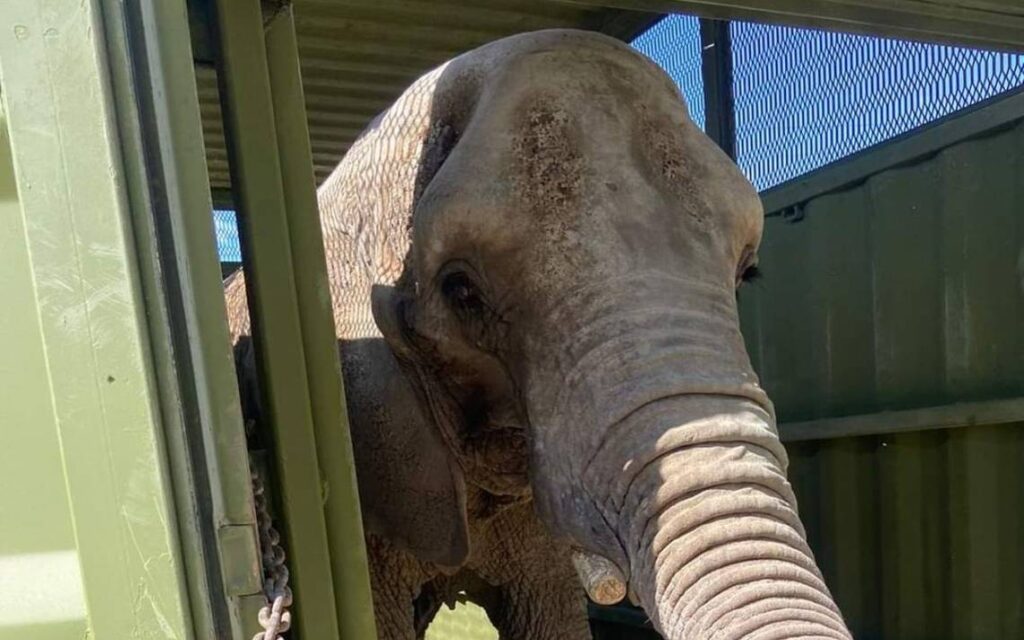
x=411, y=488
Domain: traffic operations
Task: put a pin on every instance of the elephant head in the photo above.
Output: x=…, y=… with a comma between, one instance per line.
x=552, y=251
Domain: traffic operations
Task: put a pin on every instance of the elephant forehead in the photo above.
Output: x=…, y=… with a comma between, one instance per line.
x=547, y=159
x=586, y=128
x=573, y=137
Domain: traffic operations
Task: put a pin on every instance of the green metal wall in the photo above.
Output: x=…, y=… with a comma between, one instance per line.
x=88, y=533
x=919, y=534
x=40, y=587
x=904, y=289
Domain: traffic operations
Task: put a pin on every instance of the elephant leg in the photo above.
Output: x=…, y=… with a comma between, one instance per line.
x=396, y=580
x=539, y=608
x=535, y=593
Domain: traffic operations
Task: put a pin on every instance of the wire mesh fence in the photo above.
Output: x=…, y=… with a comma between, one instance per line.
x=225, y=224
x=805, y=98
x=674, y=43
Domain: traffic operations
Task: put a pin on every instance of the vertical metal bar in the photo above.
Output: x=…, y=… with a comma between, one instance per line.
x=330, y=419
x=161, y=140
x=90, y=312
x=129, y=71
x=250, y=130
x=716, y=67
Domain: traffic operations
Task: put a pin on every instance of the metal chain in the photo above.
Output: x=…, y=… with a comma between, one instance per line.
x=274, y=617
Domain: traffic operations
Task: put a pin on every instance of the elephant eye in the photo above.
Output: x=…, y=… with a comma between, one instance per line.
x=746, y=270
x=748, y=274
x=461, y=293
x=751, y=273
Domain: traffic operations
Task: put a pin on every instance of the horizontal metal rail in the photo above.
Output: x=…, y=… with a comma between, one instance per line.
x=950, y=416
x=997, y=25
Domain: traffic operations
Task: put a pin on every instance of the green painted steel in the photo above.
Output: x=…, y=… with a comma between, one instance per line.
x=919, y=534
x=88, y=309
x=349, y=563
x=275, y=309
x=162, y=148
x=905, y=289
x=35, y=526
x=127, y=99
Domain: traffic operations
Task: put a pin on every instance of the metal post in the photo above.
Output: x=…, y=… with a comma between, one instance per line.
x=161, y=139
x=256, y=174
x=341, y=503
x=87, y=315
x=716, y=53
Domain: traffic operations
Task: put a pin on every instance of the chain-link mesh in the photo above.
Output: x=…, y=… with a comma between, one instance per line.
x=226, y=226
x=805, y=98
x=674, y=43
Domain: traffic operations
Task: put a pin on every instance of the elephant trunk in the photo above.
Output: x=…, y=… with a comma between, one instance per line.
x=680, y=478
x=709, y=523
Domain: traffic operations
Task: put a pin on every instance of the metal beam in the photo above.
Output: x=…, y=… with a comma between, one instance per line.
x=998, y=24
x=626, y=25
x=162, y=144
x=256, y=175
x=349, y=565
x=74, y=231
x=716, y=69
x=951, y=416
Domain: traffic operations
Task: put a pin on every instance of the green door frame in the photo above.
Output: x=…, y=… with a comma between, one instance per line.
x=293, y=325
x=154, y=82
x=89, y=306
x=114, y=200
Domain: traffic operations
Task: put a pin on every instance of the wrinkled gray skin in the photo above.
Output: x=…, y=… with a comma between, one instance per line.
x=534, y=257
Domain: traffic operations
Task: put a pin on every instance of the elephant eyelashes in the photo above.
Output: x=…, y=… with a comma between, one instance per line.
x=462, y=294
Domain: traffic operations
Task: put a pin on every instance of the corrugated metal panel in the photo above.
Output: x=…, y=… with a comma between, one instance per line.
x=359, y=55
x=906, y=290
x=902, y=291
x=919, y=535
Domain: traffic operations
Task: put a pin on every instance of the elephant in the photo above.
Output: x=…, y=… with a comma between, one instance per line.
x=534, y=256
